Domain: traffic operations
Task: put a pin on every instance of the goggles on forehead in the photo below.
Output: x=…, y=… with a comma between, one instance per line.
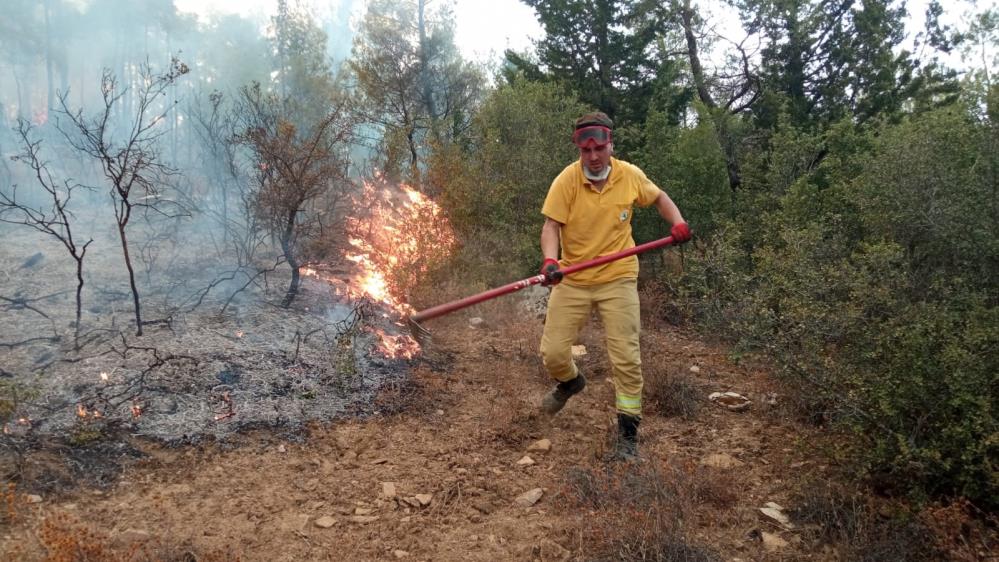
x=597, y=135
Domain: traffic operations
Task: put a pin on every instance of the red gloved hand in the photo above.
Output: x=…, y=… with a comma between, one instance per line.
x=550, y=270
x=680, y=232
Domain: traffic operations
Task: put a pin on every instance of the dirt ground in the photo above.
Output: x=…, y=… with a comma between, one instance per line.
x=438, y=479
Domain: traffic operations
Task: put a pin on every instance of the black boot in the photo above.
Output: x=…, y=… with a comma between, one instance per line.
x=626, y=446
x=556, y=399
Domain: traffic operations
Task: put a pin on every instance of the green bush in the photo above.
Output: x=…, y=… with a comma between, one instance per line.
x=870, y=280
x=493, y=189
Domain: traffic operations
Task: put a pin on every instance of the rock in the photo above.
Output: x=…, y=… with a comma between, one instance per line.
x=721, y=460
x=578, y=350
x=294, y=523
x=773, y=542
x=551, y=550
x=529, y=498
x=424, y=499
x=388, y=490
x=34, y=260
x=731, y=400
x=525, y=461
x=131, y=536
x=179, y=489
x=32, y=498
x=543, y=446
x=775, y=513
x=363, y=511
x=476, y=322
x=363, y=519
x=535, y=300
x=281, y=448
x=439, y=412
x=483, y=507
x=380, y=461
x=695, y=369
x=324, y=522
x=399, y=553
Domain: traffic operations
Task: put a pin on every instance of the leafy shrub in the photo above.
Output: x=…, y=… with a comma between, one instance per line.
x=873, y=288
x=522, y=140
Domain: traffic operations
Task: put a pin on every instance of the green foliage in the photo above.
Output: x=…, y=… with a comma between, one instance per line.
x=689, y=165
x=521, y=142
x=606, y=51
x=413, y=85
x=873, y=289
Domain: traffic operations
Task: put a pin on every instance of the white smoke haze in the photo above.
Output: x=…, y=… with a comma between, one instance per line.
x=208, y=176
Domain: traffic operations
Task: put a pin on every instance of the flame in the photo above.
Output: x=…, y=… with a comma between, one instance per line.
x=104, y=376
x=136, y=410
x=401, y=346
x=239, y=333
x=82, y=412
x=400, y=237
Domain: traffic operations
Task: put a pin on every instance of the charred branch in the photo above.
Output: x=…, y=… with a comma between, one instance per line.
x=54, y=222
x=132, y=167
x=112, y=396
x=12, y=345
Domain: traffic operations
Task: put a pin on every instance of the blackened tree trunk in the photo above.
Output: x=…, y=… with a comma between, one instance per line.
x=290, y=255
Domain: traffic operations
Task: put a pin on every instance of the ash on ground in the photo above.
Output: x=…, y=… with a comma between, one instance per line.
x=193, y=373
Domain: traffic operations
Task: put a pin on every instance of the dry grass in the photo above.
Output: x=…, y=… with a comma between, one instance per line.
x=670, y=392
x=66, y=539
x=634, y=512
x=852, y=525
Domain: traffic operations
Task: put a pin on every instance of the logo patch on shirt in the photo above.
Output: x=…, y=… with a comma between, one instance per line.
x=623, y=216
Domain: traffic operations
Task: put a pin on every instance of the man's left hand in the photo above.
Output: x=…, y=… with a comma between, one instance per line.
x=680, y=232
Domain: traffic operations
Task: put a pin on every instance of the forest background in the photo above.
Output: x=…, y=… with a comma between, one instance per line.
x=843, y=190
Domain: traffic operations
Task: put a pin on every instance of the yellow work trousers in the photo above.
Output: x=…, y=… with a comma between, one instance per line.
x=569, y=308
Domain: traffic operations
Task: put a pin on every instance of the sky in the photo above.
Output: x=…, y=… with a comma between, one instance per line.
x=481, y=34
x=485, y=28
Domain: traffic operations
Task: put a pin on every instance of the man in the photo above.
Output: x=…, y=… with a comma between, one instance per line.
x=588, y=214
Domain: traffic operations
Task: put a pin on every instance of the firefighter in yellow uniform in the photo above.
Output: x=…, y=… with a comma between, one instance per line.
x=588, y=214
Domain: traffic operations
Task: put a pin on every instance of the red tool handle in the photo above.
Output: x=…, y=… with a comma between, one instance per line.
x=445, y=308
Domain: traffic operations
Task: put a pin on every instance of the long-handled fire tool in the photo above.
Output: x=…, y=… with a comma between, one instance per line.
x=423, y=336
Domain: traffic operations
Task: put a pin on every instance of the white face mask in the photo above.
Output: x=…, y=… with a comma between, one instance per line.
x=599, y=177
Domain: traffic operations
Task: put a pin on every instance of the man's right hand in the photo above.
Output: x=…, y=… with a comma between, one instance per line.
x=551, y=272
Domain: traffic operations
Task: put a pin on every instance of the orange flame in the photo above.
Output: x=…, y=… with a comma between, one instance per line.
x=400, y=238
x=81, y=411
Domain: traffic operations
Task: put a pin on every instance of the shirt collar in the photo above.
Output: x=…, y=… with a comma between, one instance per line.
x=610, y=178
